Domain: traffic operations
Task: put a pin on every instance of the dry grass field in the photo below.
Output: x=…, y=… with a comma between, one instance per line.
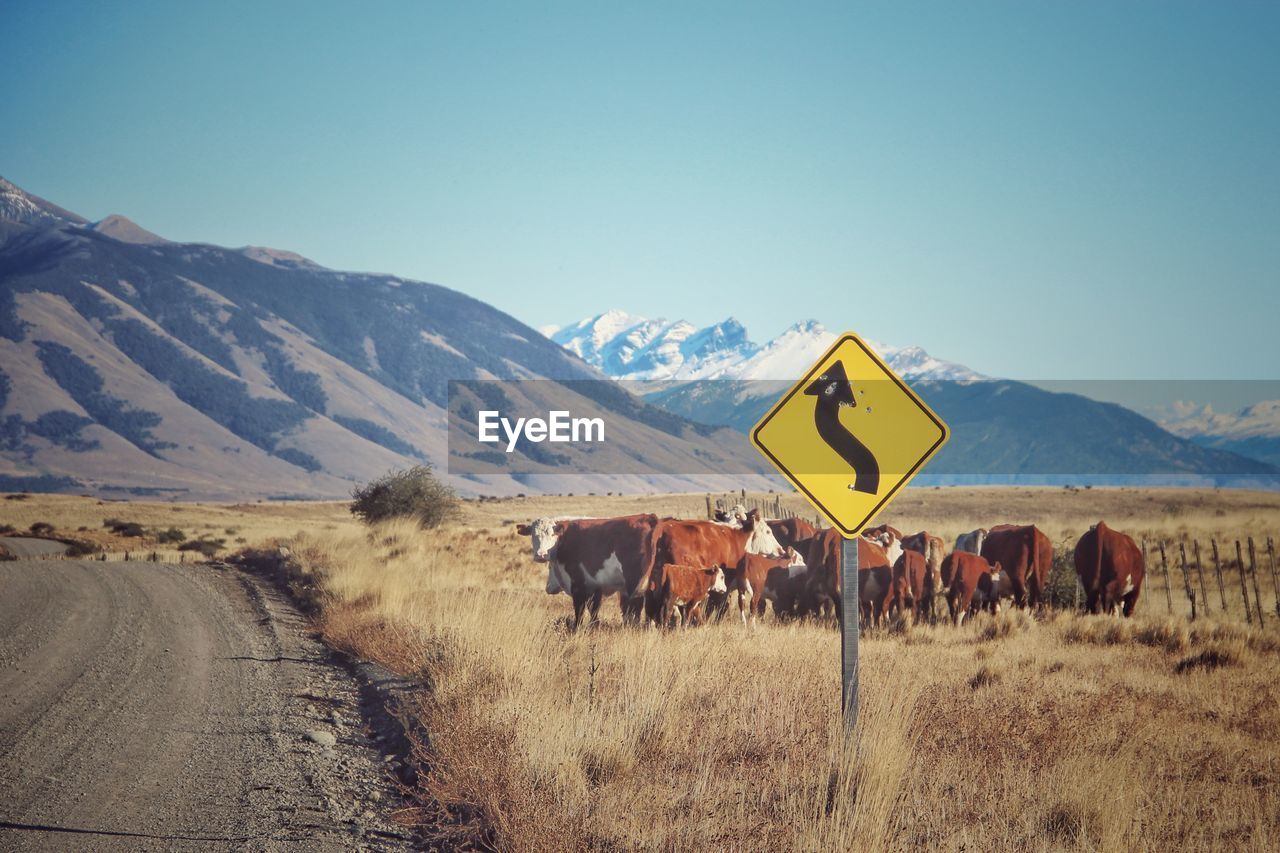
x=1064, y=732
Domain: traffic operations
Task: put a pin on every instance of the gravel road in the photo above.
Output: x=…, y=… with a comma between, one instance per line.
x=24, y=547
x=147, y=706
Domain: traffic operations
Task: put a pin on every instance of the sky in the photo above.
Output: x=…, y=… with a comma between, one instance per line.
x=1038, y=190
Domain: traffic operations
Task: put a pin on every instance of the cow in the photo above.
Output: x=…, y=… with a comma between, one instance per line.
x=545, y=532
x=588, y=558
x=1026, y=554
x=973, y=584
x=791, y=532
x=734, y=517
x=759, y=578
x=823, y=579
x=684, y=590
x=910, y=585
x=708, y=544
x=888, y=538
x=1110, y=567
x=971, y=541
x=933, y=550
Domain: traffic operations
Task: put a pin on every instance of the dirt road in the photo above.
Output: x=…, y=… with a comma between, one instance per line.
x=24, y=547
x=148, y=706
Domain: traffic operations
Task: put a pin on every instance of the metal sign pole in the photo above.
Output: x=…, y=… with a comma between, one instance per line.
x=849, y=630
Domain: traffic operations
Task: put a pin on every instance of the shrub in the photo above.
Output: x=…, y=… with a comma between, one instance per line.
x=80, y=548
x=41, y=528
x=1217, y=655
x=129, y=529
x=173, y=534
x=412, y=493
x=7, y=528
x=204, y=547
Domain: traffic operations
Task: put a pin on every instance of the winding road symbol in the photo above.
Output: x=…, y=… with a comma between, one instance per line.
x=834, y=392
x=848, y=464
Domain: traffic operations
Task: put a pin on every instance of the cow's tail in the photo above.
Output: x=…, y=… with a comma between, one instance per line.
x=648, y=556
x=1097, y=559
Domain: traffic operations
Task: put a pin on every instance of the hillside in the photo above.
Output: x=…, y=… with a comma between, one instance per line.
x=133, y=365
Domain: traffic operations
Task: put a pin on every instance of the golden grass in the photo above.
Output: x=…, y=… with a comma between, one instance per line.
x=81, y=518
x=1066, y=733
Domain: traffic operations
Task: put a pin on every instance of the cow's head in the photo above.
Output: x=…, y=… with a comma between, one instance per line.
x=760, y=539
x=793, y=557
x=545, y=532
x=717, y=584
x=996, y=569
x=886, y=537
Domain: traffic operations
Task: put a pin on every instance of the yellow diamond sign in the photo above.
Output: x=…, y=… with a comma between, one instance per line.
x=850, y=434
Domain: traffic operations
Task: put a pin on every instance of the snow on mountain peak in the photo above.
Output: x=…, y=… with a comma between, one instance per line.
x=18, y=205
x=625, y=346
x=1191, y=420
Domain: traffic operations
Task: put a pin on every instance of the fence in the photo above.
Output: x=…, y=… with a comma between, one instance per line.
x=1222, y=578
x=770, y=506
x=147, y=555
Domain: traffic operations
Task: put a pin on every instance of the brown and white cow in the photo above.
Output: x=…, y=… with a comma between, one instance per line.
x=973, y=584
x=1110, y=567
x=911, y=587
x=888, y=538
x=791, y=532
x=972, y=541
x=933, y=550
x=684, y=590
x=759, y=578
x=709, y=544
x=1027, y=556
x=823, y=579
x=591, y=557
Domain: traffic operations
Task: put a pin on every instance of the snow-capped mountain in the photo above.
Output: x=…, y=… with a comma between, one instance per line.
x=1261, y=420
x=624, y=346
x=1252, y=431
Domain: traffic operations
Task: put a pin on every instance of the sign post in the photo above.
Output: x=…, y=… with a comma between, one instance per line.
x=849, y=631
x=849, y=436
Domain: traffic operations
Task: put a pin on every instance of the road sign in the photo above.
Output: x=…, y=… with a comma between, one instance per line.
x=850, y=434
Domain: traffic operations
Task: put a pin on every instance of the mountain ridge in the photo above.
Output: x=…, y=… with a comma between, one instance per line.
x=193, y=370
x=628, y=347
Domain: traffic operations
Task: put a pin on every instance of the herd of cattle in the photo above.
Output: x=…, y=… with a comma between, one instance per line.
x=668, y=569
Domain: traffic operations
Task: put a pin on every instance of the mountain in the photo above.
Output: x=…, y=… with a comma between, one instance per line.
x=134, y=365
x=624, y=346
x=1252, y=431
x=1002, y=431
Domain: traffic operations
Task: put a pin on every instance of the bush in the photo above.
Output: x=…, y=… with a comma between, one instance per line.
x=42, y=528
x=204, y=547
x=125, y=528
x=79, y=548
x=173, y=534
x=7, y=528
x=412, y=493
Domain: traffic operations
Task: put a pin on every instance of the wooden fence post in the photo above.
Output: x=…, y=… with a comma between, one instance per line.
x=1244, y=588
x=1275, y=584
x=710, y=514
x=1186, y=579
x=1204, y=596
x=1168, y=597
x=1217, y=570
x=1257, y=594
x=1168, y=587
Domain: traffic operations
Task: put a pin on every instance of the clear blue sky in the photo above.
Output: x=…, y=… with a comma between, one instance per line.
x=1036, y=190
